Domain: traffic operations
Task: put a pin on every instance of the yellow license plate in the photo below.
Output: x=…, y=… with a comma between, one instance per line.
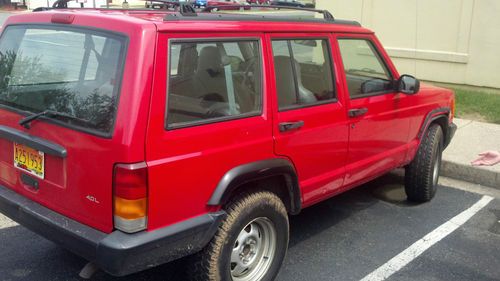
x=29, y=160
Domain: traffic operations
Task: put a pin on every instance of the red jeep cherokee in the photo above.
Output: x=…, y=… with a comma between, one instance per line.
x=134, y=138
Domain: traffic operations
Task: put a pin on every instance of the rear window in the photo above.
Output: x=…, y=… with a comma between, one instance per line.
x=76, y=72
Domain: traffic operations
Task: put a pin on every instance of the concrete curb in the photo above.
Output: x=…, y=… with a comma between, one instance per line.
x=470, y=174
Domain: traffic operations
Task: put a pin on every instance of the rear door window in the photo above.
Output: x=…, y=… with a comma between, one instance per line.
x=76, y=72
x=304, y=73
x=213, y=82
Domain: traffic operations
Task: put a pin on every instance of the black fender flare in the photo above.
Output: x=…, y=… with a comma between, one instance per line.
x=442, y=112
x=254, y=171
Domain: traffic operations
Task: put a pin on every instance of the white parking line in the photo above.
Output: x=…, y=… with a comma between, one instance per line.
x=6, y=222
x=415, y=250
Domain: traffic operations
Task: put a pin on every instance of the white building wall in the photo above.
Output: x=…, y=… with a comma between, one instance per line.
x=454, y=41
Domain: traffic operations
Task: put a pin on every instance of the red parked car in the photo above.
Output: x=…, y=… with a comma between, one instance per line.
x=134, y=139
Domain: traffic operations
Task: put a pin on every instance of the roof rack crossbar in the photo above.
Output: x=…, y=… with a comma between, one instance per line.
x=187, y=10
x=326, y=14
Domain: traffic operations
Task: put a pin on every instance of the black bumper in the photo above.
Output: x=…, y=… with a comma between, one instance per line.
x=117, y=253
x=452, y=129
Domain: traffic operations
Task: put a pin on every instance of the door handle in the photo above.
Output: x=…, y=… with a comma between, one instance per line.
x=357, y=112
x=287, y=126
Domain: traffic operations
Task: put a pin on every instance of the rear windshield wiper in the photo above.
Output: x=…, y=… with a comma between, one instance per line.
x=26, y=121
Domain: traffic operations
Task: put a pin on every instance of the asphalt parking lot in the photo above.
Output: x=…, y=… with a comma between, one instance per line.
x=345, y=238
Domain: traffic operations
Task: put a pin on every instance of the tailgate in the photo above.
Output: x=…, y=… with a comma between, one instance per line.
x=66, y=80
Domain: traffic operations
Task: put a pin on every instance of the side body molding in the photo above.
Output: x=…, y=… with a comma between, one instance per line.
x=259, y=170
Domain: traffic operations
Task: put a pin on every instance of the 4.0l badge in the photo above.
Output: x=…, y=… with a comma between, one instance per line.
x=92, y=199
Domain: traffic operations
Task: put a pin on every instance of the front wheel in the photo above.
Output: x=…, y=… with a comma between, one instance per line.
x=251, y=242
x=422, y=174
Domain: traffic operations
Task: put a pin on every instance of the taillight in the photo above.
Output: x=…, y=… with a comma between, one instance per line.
x=130, y=197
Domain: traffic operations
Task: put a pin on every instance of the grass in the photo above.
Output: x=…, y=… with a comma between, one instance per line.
x=477, y=105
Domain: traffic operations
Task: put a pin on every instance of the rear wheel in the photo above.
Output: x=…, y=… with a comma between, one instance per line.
x=251, y=242
x=422, y=174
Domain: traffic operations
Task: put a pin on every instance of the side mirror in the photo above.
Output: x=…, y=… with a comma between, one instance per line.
x=374, y=85
x=408, y=84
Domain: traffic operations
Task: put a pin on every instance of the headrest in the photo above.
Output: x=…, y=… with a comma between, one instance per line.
x=210, y=61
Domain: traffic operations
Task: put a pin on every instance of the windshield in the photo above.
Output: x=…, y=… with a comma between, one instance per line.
x=72, y=71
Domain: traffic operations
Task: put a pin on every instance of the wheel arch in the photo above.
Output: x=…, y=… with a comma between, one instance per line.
x=277, y=169
x=438, y=116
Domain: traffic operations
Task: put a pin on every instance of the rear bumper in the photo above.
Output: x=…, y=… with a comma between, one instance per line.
x=117, y=253
x=452, y=129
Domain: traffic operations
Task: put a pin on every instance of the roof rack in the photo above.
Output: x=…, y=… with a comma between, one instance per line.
x=224, y=13
x=183, y=8
x=326, y=14
x=184, y=11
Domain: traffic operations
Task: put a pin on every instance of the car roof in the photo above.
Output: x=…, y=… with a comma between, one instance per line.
x=202, y=22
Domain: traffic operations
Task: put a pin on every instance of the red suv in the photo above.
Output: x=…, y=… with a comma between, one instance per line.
x=134, y=138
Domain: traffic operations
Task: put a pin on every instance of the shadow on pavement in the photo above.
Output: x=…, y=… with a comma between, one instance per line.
x=42, y=260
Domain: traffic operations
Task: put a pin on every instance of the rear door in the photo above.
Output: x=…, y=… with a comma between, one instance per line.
x=208, y=116
x=378, y=114
x=310, y=127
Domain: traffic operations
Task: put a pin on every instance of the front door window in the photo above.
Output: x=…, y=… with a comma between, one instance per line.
x=366, y=74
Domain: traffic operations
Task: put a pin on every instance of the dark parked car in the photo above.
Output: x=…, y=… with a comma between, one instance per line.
x=291, y=3
x=258, y=2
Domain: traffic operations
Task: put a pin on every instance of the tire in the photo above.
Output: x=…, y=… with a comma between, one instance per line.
x=256, y=226
x=422, y=174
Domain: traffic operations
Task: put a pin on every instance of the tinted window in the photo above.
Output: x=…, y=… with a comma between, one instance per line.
x=213, y=81
x=303, y=72
x=71, y=71
x=365, y=71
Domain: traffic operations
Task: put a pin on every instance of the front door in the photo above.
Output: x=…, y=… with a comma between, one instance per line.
x=378, y=115
x=310, y=124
